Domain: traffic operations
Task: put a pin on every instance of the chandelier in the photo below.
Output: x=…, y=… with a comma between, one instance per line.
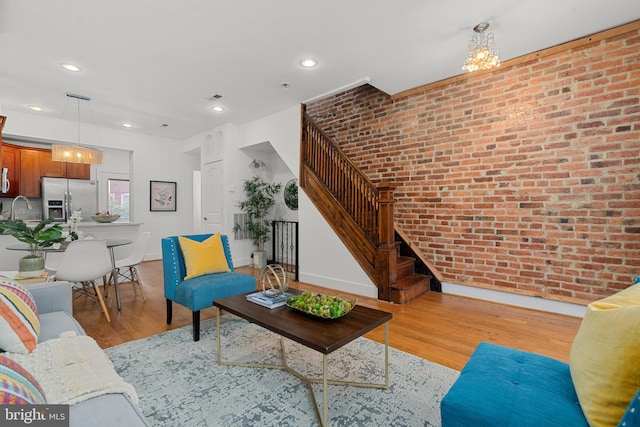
x=76, y=153
x=482, y=50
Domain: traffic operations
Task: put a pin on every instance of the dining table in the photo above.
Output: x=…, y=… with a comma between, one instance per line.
x=111, y=245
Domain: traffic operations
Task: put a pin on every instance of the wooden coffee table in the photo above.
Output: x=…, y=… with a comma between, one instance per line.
x=324, y=336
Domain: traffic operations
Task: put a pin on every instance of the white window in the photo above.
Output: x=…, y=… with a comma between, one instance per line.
x=118, y=200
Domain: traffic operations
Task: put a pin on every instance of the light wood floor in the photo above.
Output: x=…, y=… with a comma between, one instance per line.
x=439, y=327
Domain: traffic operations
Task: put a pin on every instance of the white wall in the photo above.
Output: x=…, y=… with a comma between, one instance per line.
x=153, y=158
x=324, y=260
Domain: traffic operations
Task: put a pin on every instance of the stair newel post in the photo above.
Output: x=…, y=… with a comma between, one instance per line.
x=386, y=256
x=304, y=142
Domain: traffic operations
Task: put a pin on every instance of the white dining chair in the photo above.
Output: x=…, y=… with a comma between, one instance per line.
x=83, y=262
x=52, y=262
x=126, y=268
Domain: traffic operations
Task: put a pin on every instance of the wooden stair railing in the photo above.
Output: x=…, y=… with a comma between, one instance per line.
x=361, y=214
x=358, y=211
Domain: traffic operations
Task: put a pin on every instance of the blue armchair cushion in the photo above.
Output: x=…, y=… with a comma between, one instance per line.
x=200, y=292
x=501, y=386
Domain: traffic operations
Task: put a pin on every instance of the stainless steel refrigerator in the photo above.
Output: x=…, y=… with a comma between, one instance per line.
x=62, y=196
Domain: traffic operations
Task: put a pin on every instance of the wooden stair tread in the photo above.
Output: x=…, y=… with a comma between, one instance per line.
x=410, y=280
x=405, y=260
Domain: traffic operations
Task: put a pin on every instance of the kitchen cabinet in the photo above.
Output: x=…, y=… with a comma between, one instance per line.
x=33, y=163
x=3, y=120
x=30, y=172
x=63, y=169
x=11, y=161
x=51, y=168
x=78, y=170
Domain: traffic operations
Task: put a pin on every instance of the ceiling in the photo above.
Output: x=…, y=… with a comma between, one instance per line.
x=155, y=62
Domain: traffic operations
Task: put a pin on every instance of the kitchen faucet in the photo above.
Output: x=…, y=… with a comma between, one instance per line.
x=13, y=208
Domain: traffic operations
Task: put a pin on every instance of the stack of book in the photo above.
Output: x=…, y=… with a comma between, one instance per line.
x=268, y=301
x=37, y=279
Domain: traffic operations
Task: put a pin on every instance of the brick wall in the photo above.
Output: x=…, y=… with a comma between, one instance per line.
x=526, y=178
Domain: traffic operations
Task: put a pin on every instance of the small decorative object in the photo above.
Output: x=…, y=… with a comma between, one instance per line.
x=39, y=237
x=322, y=306
x=105, y=217
x=291, y=194
x=76, y=217
x=162, y=196
x=273, y=280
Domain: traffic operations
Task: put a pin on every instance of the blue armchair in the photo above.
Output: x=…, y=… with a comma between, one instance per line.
x=199, y=292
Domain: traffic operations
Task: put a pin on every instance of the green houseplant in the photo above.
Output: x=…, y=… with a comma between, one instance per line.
x=41, y=236
x=260, y=200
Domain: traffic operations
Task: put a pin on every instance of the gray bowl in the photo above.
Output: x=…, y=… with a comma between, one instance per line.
x=105, y=218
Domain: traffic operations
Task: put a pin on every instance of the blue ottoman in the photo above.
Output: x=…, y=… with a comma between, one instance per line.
x=502, y=387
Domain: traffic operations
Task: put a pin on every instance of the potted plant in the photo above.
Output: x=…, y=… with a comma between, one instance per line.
x=258, y=205
x=39, y=237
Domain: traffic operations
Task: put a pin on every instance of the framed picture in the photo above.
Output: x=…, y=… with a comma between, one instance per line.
x=162, y=196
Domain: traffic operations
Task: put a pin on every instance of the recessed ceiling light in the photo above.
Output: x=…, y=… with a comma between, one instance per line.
x=127, y=125
x=217, y=109
x=308, y=63
x=35, y=107
x=70, y=67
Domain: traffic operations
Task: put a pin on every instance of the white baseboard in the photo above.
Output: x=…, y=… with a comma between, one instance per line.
x=243, y=262
x=534, y=303
x=524, y=301
x=152, y=256
x=340, y=285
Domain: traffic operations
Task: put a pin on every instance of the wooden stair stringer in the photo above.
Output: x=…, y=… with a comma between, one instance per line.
x=342, y=224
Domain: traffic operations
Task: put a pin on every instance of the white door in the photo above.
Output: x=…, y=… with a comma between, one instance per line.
x=213, y=197
x=213, y=183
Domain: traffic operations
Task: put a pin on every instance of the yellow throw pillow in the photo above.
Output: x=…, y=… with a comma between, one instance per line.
x=202, y=258
x=605, y=357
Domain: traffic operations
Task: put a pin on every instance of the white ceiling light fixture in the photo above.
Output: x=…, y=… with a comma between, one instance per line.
x=76, y=153
x=70, y=67
x=127, y=125
x=217, y=108
x=308, y=63
x=35, y=107
x=483, y=54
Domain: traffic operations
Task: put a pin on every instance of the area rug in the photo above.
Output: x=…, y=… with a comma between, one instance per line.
x=179, y=382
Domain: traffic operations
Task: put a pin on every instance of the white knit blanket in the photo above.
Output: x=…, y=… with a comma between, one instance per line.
x=71, y=369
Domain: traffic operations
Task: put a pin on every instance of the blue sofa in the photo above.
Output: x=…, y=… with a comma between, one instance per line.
x=501, y=386
x=54, y=303
x=504, y=387
x=200, y=292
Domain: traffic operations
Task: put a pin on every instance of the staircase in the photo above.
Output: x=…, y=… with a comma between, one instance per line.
x=409, y=284
x=361, y=214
